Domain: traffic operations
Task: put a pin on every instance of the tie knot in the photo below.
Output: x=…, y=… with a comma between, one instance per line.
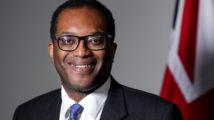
x=75, y=111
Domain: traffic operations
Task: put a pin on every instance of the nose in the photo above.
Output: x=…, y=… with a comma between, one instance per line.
x=82, y=51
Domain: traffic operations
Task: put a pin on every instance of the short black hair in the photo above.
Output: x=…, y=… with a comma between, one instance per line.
x=108, y=17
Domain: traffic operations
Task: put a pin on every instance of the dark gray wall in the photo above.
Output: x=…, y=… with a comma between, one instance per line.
x=143, y=37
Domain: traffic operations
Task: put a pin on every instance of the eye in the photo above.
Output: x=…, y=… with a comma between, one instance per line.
x=69, y=41
x=96, y=40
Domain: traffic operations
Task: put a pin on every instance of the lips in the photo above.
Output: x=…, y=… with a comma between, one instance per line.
x=82, y=68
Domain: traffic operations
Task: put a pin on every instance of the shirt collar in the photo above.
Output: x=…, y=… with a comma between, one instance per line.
x=66, y=102
x=92, y=103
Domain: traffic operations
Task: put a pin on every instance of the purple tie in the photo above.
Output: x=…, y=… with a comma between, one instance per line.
x=75, y=111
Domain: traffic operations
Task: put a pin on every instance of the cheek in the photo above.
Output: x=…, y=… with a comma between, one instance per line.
x=104, y=59
x=59, y=57
x=100, y=56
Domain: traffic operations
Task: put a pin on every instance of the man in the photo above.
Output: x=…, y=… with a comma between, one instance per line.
x=82, y=50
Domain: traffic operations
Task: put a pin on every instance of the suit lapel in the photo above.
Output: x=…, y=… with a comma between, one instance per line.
x=115, y=107
x=53, y=107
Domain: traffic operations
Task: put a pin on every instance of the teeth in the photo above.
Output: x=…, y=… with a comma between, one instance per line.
x=82, y=66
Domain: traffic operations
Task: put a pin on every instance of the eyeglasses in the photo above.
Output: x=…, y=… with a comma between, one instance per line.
x=93, y=42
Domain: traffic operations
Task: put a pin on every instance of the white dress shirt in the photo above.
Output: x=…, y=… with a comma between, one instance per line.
x=93, y=103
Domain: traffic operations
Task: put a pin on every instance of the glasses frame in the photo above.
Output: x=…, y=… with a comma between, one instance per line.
x=106, y=37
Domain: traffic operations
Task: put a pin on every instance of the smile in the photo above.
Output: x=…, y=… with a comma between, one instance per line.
x=83, y=68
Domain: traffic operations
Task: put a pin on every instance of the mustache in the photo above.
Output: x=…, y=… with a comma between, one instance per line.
x=80, y=61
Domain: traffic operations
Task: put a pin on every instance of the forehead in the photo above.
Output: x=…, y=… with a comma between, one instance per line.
x=81, y=20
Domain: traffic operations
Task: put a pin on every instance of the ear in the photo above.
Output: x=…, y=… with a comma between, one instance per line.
x=51, y=50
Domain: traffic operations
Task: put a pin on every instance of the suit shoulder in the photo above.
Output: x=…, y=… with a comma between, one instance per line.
x=44, y=97
x=144, y=102
x=41, y=101
x=38, y=106
x=145, y=99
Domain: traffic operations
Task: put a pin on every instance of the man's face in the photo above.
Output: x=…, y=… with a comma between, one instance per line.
x=82, y=70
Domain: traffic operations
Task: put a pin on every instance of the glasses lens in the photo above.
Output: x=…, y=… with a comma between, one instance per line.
x=96, y=42
x=68, y=42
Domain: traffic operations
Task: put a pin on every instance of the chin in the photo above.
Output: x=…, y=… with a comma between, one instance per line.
x=81, y=89
x=80, y=85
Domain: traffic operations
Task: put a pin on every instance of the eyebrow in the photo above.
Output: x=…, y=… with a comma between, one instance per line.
x=67, y=33
x=71, y=33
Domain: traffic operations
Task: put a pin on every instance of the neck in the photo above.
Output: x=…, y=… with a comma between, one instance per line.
x=76, y=96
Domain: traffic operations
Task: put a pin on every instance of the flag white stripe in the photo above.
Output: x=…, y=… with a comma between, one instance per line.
x=204, y=53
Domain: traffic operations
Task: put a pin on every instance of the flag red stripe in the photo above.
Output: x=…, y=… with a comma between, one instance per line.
x=188, y=36
x=200, y=109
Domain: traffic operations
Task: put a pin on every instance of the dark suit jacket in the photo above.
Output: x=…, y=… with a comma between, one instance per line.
x=123, y=103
